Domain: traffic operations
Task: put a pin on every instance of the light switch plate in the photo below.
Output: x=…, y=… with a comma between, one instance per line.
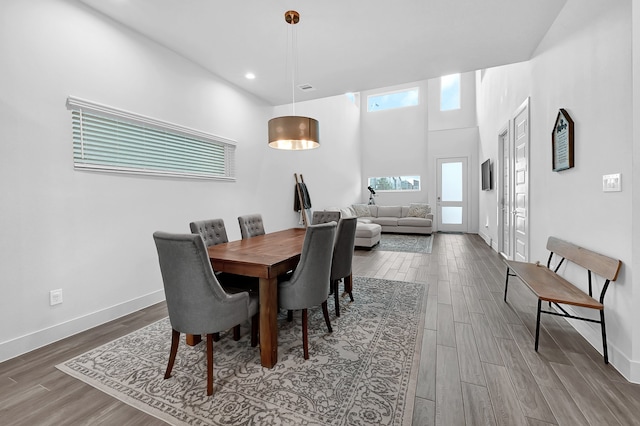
x=612, y=183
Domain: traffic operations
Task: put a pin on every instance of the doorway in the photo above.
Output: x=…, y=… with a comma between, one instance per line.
x=513, y=204
x=452, y=194
x=504, y=194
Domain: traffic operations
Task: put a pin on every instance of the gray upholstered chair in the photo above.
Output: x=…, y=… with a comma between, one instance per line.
x=196, y=302
x=251, y=225
x=343, y=257
x=324, y=217
x=213, y=232
x=309, y=284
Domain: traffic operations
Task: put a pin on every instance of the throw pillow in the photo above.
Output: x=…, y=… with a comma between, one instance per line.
x=418, y=210
x=362, y=210
x=347, y=212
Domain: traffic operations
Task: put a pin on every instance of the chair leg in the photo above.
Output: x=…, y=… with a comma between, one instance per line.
x=348, y=285
x=336, y=296
x=209, y=364
x=216, y=337
x=289, y=315
x=236, y=332
x=175, y=340
x=305, y=337
x=255, y=326
x=325, y=311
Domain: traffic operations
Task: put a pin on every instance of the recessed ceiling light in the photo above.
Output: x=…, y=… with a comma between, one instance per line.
x=250, y=76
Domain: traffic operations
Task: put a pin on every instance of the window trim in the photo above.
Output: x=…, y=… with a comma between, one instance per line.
x=82, y=106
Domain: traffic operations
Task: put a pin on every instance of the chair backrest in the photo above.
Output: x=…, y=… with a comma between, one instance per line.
x=196, y=302
x=251, y=225
x=314, y=269
x=212, y=231
x=324, y=217
x=343, y=248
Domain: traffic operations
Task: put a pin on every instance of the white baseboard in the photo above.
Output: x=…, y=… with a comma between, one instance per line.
x=487, y=239
x=591, y=332
x=23, y=344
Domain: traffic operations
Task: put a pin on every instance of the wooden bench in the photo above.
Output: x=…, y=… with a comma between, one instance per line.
x=552, y=288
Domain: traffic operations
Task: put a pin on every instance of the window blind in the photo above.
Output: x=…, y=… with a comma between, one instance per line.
x=107, y=139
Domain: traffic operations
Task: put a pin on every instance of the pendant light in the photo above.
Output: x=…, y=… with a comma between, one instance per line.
x=293, y=132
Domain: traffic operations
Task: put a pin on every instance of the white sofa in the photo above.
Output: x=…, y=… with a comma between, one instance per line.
x=373, y=220
x=399, y=219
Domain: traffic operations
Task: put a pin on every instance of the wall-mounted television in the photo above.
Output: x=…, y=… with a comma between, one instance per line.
x=486, y=176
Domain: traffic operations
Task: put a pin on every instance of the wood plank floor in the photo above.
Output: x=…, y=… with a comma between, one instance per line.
x=477, y=363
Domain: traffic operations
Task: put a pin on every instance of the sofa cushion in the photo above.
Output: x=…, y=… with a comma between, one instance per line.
x=386, y=221
x=418, y=210
x=347, y=212
x=367, y=230
x=389, y=211
x=414, y=221
x=361, y=210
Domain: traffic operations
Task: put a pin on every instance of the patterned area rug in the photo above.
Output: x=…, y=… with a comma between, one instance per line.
x=363, y=373
x=405, y=242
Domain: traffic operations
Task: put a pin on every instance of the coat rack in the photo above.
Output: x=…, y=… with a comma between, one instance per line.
x=303, y=201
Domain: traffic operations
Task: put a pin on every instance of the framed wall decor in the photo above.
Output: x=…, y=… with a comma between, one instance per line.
x=562, y=142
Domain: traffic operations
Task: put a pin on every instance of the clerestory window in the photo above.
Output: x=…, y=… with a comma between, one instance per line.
x=390, y=100
x=450, y=92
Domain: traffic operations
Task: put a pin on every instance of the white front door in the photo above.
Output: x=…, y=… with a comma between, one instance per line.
x=452, y=194
x=521, y=183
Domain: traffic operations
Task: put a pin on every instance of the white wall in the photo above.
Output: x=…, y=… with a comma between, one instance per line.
x=634, y=317
x=463, y=117
x=394, y=143
x=332, y=171
x=583, y=65
x=408, y=141
x=90, y=233
x=455, y=134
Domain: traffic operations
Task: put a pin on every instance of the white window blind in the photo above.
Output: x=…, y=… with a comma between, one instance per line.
x=107, y=139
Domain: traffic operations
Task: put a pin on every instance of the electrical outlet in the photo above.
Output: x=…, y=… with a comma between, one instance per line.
x=55, y=297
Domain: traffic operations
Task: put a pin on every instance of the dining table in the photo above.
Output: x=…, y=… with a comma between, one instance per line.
x=265, y=257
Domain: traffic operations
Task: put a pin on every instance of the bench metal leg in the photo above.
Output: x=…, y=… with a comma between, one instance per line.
x=538, y=323
x=506, y=284
x=604, y=338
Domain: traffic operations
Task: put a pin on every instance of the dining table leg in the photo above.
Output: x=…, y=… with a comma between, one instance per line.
x=268, y=321
x=193, y=339
x=348, y=283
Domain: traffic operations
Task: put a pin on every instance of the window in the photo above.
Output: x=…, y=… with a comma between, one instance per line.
x=450, y=92
x=395, y=183
x=107, y=139
x=392, y=100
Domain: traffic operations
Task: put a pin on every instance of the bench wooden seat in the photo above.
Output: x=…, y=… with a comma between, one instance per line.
x=550, y=287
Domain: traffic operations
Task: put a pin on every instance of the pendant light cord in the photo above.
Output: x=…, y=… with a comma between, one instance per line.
x=294, y=66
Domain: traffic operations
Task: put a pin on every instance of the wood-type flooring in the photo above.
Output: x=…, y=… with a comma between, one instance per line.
x=477, y=363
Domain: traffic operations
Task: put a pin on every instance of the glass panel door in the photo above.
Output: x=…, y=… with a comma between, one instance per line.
x=452, y=194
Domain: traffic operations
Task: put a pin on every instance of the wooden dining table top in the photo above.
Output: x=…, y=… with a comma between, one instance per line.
x=265, y=257
x=262, y=256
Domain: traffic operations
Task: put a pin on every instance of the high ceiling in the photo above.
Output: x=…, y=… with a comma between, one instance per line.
x=342, y=45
